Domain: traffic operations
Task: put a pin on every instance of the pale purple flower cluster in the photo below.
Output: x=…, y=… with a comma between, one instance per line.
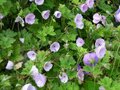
x=117, y=15
x=78, y=21
x=38, y=2
x=30, y=18
x=88, y=4
x=54, y=47
x=31, y=55
x=63, y=77
x=99, y=18
x=80, y=42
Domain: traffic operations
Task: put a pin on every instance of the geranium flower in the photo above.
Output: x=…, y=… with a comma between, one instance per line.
x=9, y=65
x=100, y=51
x=78, y=21
x=39, y=79
x=90, y=59
x=83, y=8
x=63, y=77
x=28, y=87
x=48, y=66
x=103, y=20
x=117, y=15
x=90, y=3
x=31, y=55
x=80, y=75
x=100, y=42
x=80, y=42
x=96, y=18
x=1, y=16
x=54, y=47
x=46, y=14
x=30, y=18
x=34, y=70
x=19, y=19
x=57, y=14
x=22, y=40
x=39, y=2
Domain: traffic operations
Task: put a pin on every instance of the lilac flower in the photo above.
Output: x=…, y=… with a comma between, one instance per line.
x=46, y=14
x=28, y=87
x=48, y=66
x=100, y=42
x=101, y=88
x=90, y=3
x=78, y=21
x=80, y=75
x=78, y=18
x=90, y=59
x=54, y=47
x=31, y=55
x=34, y=70
x=39, y=79
x=39, y=2
x=100, y=51
x=80, y=42
x=103, y=20
x=1, y=16
x=96, y=18
x=30, y=18
x=63, y=77
x=22, y=40
x=9, y=65
x=78, y=67
x=117, y=15
x=83, y=8
x=57, y=14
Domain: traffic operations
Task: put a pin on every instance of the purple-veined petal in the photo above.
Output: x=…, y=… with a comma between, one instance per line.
x=54, y=47
x=46, y=14
x=63, y=77
x=117, y=15
x=96, y=18
x=34, y=70
x=100, y=42
x=90, y=59
x=31, y=55
x=90, y=3
x=80, y=42
x=103, y=20
x=83, y=8
x=30, y=18
x=80, y=75
x=48, y=66
x=28, y=87
x=39, y=2
x=100, y=51
x=80, y=25
x=40, y=79
x=78, y=18
x=9, y=65
x=57, y=14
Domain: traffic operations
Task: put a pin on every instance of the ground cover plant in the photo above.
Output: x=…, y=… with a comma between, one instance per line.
x=59, y=45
